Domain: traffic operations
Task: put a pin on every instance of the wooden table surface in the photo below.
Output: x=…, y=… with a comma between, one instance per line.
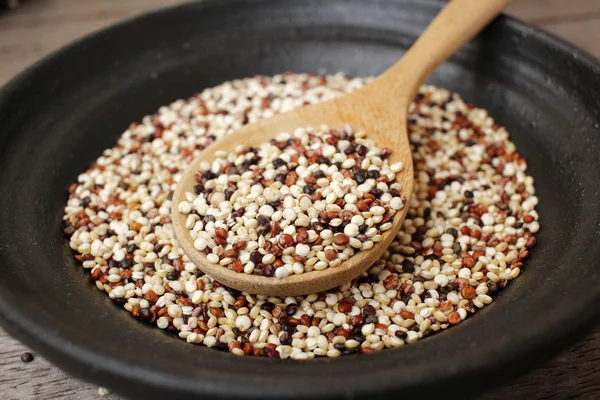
x=40, y=26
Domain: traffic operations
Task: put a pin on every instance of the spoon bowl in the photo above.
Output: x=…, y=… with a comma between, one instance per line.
x=387, y=130
x=380, y=110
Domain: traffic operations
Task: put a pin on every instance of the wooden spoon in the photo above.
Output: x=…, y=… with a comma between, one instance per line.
x=380, y=110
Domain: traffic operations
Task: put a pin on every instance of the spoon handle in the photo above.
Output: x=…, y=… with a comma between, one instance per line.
x=457, y=23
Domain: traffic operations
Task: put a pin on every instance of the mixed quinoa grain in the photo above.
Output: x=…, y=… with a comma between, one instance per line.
x=470, y=226
x=302, y=202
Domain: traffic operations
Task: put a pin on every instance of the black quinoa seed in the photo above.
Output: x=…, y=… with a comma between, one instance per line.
x=360, y=177
x=173, y=276
x=318, y=173
x=400, y=334
x=373, y=174
x=278, y=162
x=369, y=310
x=309, y=189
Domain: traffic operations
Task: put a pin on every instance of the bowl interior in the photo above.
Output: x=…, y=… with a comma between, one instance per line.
x=60, y=115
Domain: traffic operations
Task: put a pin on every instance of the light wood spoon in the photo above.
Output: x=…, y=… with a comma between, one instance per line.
x=380, y=110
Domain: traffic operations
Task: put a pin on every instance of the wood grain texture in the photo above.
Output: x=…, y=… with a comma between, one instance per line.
x=541, y=12
x=38, y=380
x=573, y=374
x=584, y=32
x=39, y=27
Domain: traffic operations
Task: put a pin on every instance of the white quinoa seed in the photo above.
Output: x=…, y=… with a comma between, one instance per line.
x=470, y=226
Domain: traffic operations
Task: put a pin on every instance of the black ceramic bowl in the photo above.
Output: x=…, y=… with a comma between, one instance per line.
x=59, y=115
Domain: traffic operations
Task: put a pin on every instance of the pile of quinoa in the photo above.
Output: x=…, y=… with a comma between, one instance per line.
x=470, y=226
x=298, y=203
